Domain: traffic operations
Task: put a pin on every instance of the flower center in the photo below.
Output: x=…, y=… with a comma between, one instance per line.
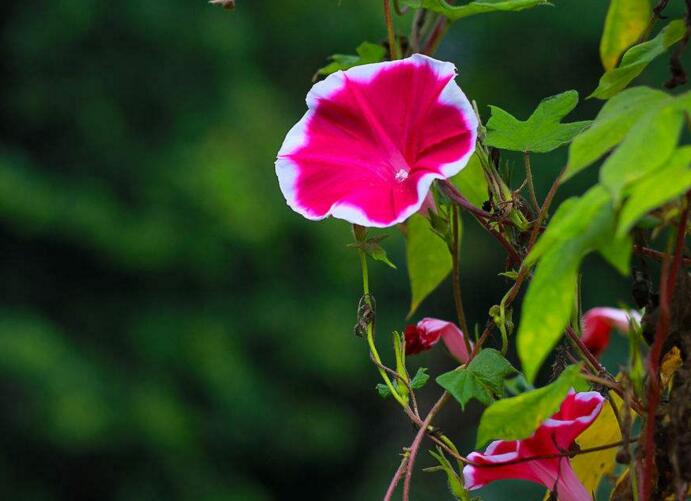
x=401, y=175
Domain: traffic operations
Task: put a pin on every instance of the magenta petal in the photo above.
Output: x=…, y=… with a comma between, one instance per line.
x=554, y=436
x=497, y=452
x=373, y=140
x=599, y=322
x=452, y=336
x=555, y=474
x=578, y=411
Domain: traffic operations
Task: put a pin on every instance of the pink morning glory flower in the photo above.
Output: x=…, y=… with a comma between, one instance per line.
x=373, y=140
x=428, y=331
x=598, y=324
x=556, y=435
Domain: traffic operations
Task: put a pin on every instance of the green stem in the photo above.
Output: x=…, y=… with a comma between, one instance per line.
x=529, y=178
x=370, y=331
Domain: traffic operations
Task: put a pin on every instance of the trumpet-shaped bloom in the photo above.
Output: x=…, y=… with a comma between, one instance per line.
x=503, y=459
x=598, y=324
x=428, y=331
x=373, y=140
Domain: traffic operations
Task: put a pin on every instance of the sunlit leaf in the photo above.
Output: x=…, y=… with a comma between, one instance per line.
x=455, y=12
x=518, y=417
x=666, y=183
x=580, y=226
x=617, y=251
x=610, y=126
x=542, y=132
x=637, y=58
x=429, y=260
x=648, y=144
x=626, y=20
x=573, y=217
x=483, y=378
x=592, y=467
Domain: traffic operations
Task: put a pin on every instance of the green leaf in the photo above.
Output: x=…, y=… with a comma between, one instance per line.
x=472, y=183
x=626, y=21
x=455, y=12
x=373, y=249
x=512, y=274
x=367, y=52
x=429, y=260
x=483, y=378
x=454, y=481
x=637, y=58
x=580, y=226
x=542, y=132
x=378, y=253
x=571, y=221
x=649, y=143
x=420, y=379
x=547, y=306
x=668, y=182
x=617, y=251
x=518, y=417
x=383, y=390
x=611, y=125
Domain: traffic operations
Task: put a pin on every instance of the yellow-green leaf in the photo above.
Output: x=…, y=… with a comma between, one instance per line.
x=429, y=260
x=637, y=58
x=472, y=183
x=592, y=467
x=626, y=21
x=662, y=185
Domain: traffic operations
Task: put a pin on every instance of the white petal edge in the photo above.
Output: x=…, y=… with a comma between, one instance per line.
x=287, y=171
x=584, y=396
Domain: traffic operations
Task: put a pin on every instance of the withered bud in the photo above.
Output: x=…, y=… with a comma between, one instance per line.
x=226, y=4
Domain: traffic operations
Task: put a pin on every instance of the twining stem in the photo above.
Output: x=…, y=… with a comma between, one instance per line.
x=524, y=270
x=404, y=381
x=657, y=255
x=657, y=14
x=393, y=44
x=529, y=179
x=452, y=192
x=415, y=446
x=397, y=477
x=542, y=214
x=555, y=455
x=588, y=450
x=370, y=331
x=435, y=38
x=668, y=278
x=456, y=276
x=482, y=217
x=586, y=354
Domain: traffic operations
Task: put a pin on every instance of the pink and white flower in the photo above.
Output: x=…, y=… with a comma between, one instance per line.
x=428, y=331
x=599, y=322
x=373, y=140
x=502, y=459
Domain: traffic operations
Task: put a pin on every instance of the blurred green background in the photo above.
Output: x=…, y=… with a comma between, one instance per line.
x=169, y=328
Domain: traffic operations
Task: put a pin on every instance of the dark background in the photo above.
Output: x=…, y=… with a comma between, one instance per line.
x=169, y=328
